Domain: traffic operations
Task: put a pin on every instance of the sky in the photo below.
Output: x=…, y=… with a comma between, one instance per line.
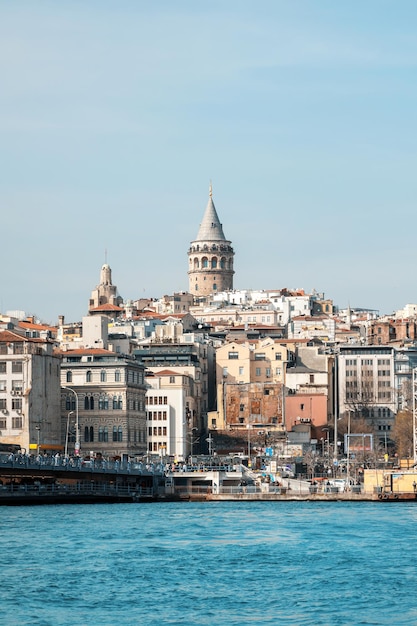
x=116, y=115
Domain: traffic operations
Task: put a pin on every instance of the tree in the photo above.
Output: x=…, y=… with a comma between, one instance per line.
x=403, y=433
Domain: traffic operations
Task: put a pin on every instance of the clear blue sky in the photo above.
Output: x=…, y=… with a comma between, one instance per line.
x=115, y=116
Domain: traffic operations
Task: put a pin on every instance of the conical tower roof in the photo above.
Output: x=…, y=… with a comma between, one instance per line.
x=210, y=228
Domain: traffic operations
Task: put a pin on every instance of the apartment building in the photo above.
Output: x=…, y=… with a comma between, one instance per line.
x=169, y=415
x=250, y=381
x=29, y=392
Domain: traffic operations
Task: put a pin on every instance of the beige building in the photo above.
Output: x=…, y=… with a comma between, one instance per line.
x=210, y=256
x=29, y=393
x=105, y=393
x=255, y=371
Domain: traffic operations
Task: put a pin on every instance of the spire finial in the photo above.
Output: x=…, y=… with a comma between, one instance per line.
x=105, y=255
x=211, y=190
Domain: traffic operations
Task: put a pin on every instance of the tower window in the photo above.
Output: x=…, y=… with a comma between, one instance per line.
x=214, y=287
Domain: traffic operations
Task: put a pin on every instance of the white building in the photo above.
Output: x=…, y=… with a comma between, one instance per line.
x=169, y=415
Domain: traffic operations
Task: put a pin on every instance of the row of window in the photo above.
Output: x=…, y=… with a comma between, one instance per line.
x=16, y=404
x=155, y=446
x=156, y=415
x=133, y=376
x=366, y=373
x=103, y=434
x=157, y=431
x=258, y=372
x=12, y=348
x=157, y=400
x=17, y=367
x=17, y=422
x=213, y=263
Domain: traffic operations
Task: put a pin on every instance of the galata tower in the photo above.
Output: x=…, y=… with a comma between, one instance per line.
x=210, y=257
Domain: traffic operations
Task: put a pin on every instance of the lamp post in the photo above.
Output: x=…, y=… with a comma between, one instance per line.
x=77, y=431
x=38, y=429
x=66, y=436
x=192, y=440
x=249, y=427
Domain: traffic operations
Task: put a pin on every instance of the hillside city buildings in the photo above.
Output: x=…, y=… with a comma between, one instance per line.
x=214, y=369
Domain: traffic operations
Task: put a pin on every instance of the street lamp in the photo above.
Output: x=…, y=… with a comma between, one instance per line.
x=66, y=436
x=77, y=431
x=38, y=428
x=192, y=441
x=249, y=427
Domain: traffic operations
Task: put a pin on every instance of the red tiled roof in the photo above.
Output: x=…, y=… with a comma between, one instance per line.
x=165, y=373
x=107, y=307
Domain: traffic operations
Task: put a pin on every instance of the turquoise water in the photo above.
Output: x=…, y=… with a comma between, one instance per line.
x=209, y=563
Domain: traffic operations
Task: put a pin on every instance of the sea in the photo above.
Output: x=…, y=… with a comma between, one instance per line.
x=214, y=563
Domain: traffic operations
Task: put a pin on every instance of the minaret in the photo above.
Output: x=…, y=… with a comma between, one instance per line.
x=210, y=257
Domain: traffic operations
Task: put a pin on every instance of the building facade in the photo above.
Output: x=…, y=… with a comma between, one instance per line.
x=29, y=393
x=105, y=393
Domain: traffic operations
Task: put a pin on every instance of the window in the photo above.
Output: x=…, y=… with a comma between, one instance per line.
x=69, y=377
x=3, y=422
x=233, y=355
x=311, y=378
x=301, y=407
x=258, y=371
x=88, y=403
x=88, y=376
x=120, y=434
x=17, y=366
x=268, y=372
x=117, y=376
x=114, y=433
x=103, y=376
x=225, y=372
x=70, y=403
x=172, y=379
x=89, y=434
x=3, y=404
x=17, y=422
x=241, y=371
x=278, y=356
x=2, y=367
x=260, y=356
x=16, y=404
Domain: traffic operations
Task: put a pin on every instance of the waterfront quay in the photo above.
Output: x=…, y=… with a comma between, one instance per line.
x=24, y=480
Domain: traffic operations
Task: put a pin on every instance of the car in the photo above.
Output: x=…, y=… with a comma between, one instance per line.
x=286, y=472
x=340, y=483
